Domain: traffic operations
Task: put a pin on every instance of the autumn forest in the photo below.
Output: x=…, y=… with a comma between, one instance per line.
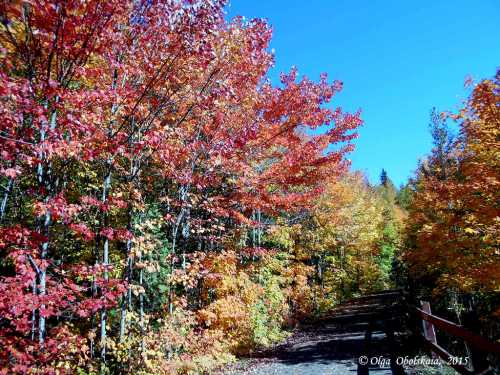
x=165, y=208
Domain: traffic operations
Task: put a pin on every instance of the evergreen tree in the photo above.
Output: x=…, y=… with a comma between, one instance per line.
x=383, y=177
x=387, y=189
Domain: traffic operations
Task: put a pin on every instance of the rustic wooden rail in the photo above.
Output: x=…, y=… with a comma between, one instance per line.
x=389, y=311
x=456, y=330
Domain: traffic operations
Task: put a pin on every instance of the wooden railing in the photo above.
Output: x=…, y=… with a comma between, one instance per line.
x=478, y=342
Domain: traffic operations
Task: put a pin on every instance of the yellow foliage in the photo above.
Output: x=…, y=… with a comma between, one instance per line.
x=454, y=222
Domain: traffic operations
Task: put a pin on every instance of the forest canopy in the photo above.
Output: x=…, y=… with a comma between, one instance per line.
x=165, y=207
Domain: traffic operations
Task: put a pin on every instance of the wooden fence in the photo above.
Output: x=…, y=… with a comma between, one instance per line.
x=463, y=366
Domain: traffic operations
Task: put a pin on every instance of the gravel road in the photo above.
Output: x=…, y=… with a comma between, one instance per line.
x=325, y=350
x=336, y=345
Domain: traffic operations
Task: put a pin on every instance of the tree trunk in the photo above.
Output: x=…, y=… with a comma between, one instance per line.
x=141, y=306
x=42, y=286
x=105, y=257
x=33, y=312
x=172, y=268
x=105, y=191
x=259, y=228
x=44, y=181
x=5, y=198
x=125, y=298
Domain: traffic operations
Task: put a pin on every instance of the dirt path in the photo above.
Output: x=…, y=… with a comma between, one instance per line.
x=328, y=349
x=334, y=345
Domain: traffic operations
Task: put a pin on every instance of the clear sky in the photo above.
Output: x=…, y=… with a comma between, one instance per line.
x=397, y=59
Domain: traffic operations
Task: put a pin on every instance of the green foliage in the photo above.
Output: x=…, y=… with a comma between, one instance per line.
x=268, y=314
x=404, y=196
x=156, y=279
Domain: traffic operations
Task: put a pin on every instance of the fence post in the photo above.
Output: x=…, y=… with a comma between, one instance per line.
x=429, y=332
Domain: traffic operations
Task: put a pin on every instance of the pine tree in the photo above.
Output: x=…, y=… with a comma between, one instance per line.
x=383, y=177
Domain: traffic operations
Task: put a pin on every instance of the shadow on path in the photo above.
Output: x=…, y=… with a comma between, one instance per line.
x=371, y=327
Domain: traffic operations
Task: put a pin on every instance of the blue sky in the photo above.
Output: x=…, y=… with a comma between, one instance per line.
x=397, y=60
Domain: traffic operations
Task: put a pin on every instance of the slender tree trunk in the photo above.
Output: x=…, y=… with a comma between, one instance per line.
x=125, y=298
x=93, y=319
x=172, y=268
x=134, y=168
x=259, y=228
x=105, y=192
x=33, y=312
x=175, y=230
x=42, y=287
x=141, y=305
x=3, y=205
x=458, y=313
x=185, y=235
x=105, y=256
x=254, y=231
x=44, y=181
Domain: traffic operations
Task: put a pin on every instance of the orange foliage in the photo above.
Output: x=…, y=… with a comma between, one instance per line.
x=454, y=222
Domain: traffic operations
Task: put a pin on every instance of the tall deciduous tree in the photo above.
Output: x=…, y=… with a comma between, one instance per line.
x=138, y=139
x=453, y=224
